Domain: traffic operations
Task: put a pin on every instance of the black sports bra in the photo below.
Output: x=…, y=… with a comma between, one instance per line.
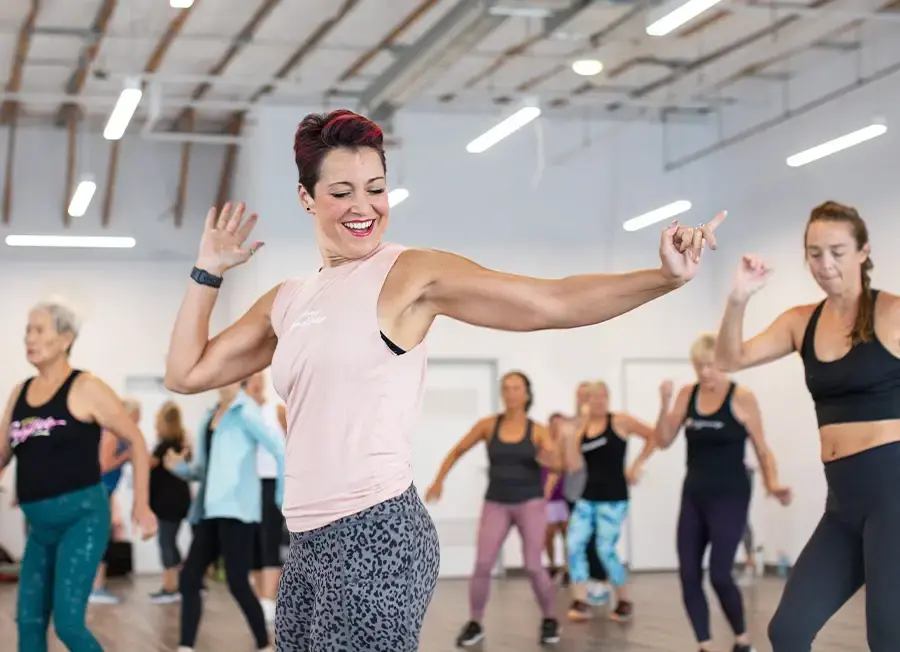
x=864, y=385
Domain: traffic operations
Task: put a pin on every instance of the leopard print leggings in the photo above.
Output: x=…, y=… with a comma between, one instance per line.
x=360, y=584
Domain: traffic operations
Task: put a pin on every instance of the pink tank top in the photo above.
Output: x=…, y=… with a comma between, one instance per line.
x=351, y=402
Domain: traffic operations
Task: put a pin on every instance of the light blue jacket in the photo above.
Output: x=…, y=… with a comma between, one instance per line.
x=233, y=489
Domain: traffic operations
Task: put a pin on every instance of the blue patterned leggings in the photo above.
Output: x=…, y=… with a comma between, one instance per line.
x=360, y=584
x=66, y=540
x=605, y=520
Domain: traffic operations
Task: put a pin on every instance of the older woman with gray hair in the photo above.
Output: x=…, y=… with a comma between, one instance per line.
x=52, y=424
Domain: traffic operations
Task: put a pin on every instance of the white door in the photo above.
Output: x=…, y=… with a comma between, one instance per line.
x=457, y=394
x=151, y=394
x=655, y=501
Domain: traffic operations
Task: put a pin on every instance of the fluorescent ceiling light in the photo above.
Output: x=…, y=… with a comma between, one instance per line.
x=679, y=13
x=180, y=4
x=81, y=198
x=836, y=145
x=587, y=67
x=71, y=241
x=509, y=126
x=397, y=195
x=657, y=215
x=121, y=115
x=521, y=12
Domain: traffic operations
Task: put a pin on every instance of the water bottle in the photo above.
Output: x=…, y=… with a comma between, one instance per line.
x=782, y=564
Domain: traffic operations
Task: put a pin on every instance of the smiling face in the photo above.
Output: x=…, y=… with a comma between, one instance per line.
x=349, y=203
x=598, y=400
x=834, y=256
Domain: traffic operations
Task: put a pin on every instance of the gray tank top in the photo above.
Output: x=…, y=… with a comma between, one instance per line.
x=514, y=475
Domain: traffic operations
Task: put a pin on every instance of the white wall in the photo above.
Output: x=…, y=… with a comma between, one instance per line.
x=126, y=299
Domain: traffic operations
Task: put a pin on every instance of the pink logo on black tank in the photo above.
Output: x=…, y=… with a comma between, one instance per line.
x=19, y=431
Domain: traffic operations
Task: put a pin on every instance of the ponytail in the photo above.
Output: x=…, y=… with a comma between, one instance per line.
x=864, y=326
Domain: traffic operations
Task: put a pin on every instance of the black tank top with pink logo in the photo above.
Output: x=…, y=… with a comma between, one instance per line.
x=55, y=452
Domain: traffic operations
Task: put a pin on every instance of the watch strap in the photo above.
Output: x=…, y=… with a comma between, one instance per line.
x=203, y=277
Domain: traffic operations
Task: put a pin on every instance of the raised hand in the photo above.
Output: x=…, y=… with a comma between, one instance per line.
x=681, y=247
x=665, y=391
x=751, y=276
x=224, y=234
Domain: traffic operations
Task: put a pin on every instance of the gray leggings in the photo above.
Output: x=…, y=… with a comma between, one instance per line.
x=855, y=543
x=360, y=584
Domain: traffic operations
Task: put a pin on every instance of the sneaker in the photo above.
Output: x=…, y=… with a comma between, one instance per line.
x=598, y=594
x=623, y=611
x=165, y=597
x=579, y=611
x=742, y=648
x=102, y=596
x=549, y=631
x=470, y=635
x=268, y=607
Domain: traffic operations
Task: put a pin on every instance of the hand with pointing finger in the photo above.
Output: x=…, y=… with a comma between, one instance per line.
x=680, y=247
x=224, y=234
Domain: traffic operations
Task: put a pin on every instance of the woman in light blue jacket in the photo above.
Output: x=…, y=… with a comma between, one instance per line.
x=227, y=509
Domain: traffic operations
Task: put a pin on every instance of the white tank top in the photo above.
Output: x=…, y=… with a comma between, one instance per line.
x=266, y=466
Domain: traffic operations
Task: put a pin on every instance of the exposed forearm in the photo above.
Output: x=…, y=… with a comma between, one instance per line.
x=768, y=468
x=190, y=334
x=140, y=462
x=647, y=451
x=594, y=298
x=730, y=340
x=6, y=456
x=449, y=461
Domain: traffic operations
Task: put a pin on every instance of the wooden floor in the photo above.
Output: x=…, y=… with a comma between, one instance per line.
x=511, y=623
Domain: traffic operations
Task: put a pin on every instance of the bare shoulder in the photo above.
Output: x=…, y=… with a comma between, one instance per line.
x=889, y=303
x=88, y=385
x=744, y=397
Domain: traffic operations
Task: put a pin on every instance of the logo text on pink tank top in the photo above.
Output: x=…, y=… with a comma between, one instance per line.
x=19, y=431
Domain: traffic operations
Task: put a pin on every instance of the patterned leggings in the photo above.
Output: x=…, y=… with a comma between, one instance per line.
x=360, y=584
x=66, y=540
x=605, y=519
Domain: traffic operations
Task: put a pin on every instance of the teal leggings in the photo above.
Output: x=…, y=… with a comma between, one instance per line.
x=604, y=520
x=66, y=540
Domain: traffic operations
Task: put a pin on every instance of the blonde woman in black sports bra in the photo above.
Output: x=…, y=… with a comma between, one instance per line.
x=850, y=347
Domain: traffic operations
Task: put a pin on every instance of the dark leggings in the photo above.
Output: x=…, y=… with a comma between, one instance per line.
x=717, y=522
x=234, y=540
x=67, y=537
x=855, y=543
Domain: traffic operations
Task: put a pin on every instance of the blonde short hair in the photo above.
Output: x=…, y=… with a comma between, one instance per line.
x=703, y=347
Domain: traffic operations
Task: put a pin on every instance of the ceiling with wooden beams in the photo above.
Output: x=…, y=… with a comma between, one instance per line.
x=204, y=68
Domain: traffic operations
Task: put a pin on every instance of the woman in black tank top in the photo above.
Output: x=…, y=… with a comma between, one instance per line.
x=598, y=445
x=52, y=425
x=517, y=449
x=719, y=418
x=850, y=347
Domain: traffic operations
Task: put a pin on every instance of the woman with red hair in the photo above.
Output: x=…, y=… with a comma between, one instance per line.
x=346, y=346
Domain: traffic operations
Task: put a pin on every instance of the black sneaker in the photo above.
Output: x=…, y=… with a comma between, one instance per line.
x=742, y=648
x=470, y=635
x=549, y=631
x=623, y=611
x=579, y=611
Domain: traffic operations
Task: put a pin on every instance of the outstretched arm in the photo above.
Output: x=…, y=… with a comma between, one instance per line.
x=479, y=432
x=456, y=287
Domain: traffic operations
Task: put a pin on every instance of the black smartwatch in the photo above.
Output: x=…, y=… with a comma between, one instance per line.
x=203, y=277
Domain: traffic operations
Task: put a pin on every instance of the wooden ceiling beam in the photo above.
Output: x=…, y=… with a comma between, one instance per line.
x=389, y=39
x=10, y=164
x=181, y=197
x=71, y=162
x=109, y=192
x=88, y=54
x=240, y=41
x=23, y=45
